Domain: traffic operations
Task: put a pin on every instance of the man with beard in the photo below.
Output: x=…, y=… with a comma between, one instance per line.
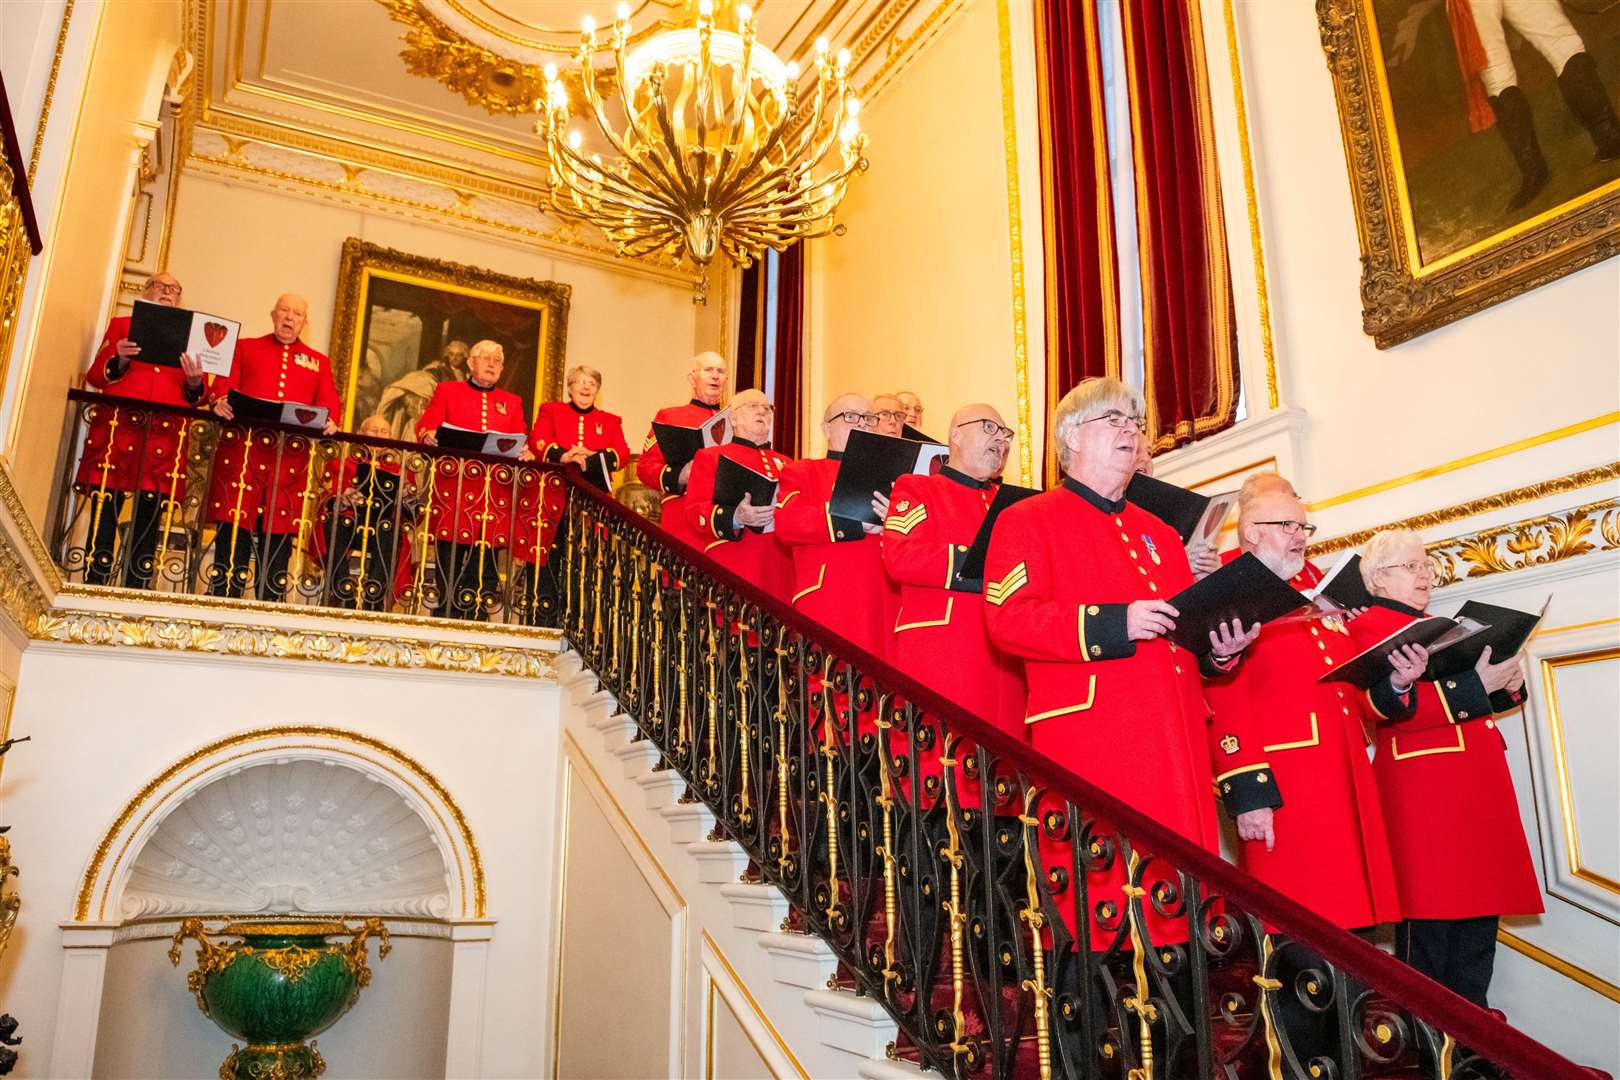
x=1290, y=753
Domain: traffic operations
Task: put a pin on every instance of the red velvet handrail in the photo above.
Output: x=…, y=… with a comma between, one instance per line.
x=1461, y=1019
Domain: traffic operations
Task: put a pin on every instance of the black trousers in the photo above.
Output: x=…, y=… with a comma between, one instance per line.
x=140, y=548
x=371, y=551
x=468, y=580
x=1459, y=954
x=235, y=548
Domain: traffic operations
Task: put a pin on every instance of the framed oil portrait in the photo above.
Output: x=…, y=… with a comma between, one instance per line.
x=1483, y=148
x=405, y=323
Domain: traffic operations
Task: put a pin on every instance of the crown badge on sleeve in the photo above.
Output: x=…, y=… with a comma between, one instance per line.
x=1229, y=744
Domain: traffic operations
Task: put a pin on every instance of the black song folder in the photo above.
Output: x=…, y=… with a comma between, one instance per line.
x=1372, y=665
x=250, y=409
x=733, y=480
x=598, y=471
x=872, y=463
x=1506, y=631
x=909, y=432
x=164, y=332
x=972, y=568
x=500, y=443
x=1343, y=585
x=1244, y=589
x=1196, y=518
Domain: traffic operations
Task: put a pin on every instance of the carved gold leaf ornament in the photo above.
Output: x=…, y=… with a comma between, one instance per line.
x=1537, y=542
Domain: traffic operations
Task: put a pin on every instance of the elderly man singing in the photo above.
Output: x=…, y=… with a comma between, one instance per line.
x=735, y=535
x=1079, y=582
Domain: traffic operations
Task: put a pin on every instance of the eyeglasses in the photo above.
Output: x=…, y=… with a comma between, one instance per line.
x=990, y=427
x=164, y=288
x=889, y=416
x=1119, y=421
x=1416, y=569
x=1292, y=528
x=856, y=419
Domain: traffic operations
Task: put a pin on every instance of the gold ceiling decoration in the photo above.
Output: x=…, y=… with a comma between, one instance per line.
x=501, y=84
x=716, y=149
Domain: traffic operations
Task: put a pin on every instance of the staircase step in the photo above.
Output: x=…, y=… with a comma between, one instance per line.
x=617, y=731
x=688, y=822
x=799, y=959
x=661, y=787
x=637, y=758
x=889, y=1069
x=602, y=711
x=720, y=862
x=849, y=1022
x=755, y=906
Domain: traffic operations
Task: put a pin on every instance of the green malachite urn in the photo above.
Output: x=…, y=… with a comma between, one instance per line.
x=279, y=986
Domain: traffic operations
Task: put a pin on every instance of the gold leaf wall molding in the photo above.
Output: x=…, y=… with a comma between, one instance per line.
x=99, y=628
x=1502, y=500
x=1537, y=542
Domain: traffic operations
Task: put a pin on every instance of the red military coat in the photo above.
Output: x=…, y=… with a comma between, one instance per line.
x=124, y=449
x=1309, y=740
x=939, y=632
x=751, y=555
x=560, y=427
x=263, y=470
x=838, y=577
x=651, y=470
x=1128, y=716
x=472, y=500
x=1453, y=819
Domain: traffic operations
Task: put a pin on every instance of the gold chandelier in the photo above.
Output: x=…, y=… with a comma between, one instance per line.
x=718, y=149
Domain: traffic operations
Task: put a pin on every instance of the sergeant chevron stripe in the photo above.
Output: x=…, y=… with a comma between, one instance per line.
x=904, y=523
x=999, y=592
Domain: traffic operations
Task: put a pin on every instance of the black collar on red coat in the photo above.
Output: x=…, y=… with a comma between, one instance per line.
x=705, y=405
x=963, y=478
x=739, y=440
x=478, y=386
x=835, y=455
x=1396, y=605
x=1107, y=506
x=583, y=412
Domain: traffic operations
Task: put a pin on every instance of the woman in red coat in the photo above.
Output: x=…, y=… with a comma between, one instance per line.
x=565, y=433
x=1461, y=859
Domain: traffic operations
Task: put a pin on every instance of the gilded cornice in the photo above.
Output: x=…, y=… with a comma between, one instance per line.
x=1537, y=542
x=73, y=627
x=1502, y=500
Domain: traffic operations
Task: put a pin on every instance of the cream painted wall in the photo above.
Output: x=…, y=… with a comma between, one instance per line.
x=106, y=721
x=917, y=295
x=616, y=955
x=732, y=1054
x=638, y=331
x=150, y=1026
x=84, y=229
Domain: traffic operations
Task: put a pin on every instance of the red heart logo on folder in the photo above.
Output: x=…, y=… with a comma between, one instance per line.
x=215, y=333
x=305, y=416
x=505, y=444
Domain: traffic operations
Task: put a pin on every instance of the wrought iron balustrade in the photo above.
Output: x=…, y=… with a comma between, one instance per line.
x=179, y=500
x=1015, y=920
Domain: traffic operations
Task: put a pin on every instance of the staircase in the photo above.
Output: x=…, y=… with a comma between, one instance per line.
x=849, y=1035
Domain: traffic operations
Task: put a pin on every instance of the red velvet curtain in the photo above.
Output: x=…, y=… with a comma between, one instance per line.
x=1082, y=297
x=782, y=364
x=789, y=356
x=1189, y=329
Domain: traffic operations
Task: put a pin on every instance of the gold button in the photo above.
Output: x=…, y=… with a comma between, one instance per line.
x=1451, y=684
x=1322, y=645
x=1260, y=778
x=1172, y=646
x=1315, y=632
x=1346, y=712
x=1133, y=553
x=1226, y=788
x=1125, y=538
x=1093, y=610
x=1152, y=586
x=1119, y=521
x=1462, y=716
x=1178, y=669
x=1096, y=650
x=1142, y=570
x=1490, y=723
x=1327, y=659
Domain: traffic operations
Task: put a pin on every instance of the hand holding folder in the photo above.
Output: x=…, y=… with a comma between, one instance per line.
x=1244, y=589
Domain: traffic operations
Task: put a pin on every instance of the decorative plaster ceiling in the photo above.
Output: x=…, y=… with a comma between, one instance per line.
x=290, y=837
x=320, y=95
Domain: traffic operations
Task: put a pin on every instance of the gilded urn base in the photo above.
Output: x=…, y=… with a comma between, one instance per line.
x=277, y=987
x=294, y=1061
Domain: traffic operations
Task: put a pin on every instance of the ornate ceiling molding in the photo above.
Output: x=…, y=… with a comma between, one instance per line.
x=290, y=838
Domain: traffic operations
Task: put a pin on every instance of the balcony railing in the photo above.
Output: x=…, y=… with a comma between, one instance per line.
x=1013, y=919
x=178, y=500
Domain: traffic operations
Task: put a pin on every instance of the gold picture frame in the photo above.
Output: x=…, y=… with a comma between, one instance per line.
x=528, y=317
x=1407, y=290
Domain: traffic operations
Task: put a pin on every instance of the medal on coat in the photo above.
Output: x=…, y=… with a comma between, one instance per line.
x=500, y=407
x=1152, y=549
